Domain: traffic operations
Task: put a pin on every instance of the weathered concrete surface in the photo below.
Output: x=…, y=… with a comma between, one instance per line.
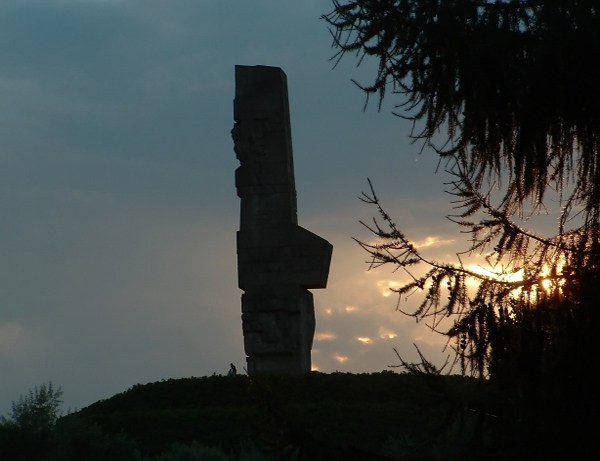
x=278, y=261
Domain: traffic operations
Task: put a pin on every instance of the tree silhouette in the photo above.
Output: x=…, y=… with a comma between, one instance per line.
x=37, y=411
x=511, y=85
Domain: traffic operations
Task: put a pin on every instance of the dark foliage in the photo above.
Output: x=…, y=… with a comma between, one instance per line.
x=37, y=411
x=35, y=431
x=19, y=444
x=27, y=432
x=512, y=82
x=315, y=415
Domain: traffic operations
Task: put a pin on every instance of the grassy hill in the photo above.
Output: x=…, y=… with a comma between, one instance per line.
x=303, y=417
x=371, y=416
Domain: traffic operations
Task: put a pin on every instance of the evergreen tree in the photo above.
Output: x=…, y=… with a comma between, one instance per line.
x=513, y=86
x=511, y=82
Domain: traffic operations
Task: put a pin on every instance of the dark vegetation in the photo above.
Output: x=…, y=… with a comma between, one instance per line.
x=312, y=416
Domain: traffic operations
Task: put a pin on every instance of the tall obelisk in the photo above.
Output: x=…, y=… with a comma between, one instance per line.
x=278, y=261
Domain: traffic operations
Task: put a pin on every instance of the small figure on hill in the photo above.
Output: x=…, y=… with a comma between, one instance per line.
x=232, y=370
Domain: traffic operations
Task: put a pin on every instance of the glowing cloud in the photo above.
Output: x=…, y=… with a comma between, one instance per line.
x=385, y=285
x=425, y=243
x=496, y=273
x=365, y=340
x=340, y=358
x=325, y=336
x=432, y=241
x=350, y=308
x=384, y=333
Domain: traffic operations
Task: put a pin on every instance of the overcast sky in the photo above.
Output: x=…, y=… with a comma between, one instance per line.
x=117, y=200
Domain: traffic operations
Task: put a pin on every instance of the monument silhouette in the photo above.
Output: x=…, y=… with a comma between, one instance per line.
x=278, y=261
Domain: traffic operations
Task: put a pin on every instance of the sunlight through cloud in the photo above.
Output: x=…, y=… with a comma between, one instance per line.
x=432, y=241
x=385, y=333
x=496, y=273
x=385, y=285
x=325, y=336
x=340, y=358
x=547, y=283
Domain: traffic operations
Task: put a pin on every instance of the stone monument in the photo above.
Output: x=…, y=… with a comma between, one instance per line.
x=278, y=261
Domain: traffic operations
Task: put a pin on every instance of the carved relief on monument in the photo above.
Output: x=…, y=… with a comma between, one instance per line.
x=278, y=261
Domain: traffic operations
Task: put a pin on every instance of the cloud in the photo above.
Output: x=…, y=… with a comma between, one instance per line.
x=325, y=336
x=386, y=333
x=15, y=341
x=432, y=242
x=340, y=358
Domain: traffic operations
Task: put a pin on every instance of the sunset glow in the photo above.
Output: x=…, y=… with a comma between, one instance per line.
x=386, y=334
x=495, y=274
x=432, y=241
x=547, y=283
x=325, y=336
x=340, y=358
x=385, y=285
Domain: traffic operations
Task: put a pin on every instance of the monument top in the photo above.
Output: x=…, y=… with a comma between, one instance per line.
x=263, y=145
